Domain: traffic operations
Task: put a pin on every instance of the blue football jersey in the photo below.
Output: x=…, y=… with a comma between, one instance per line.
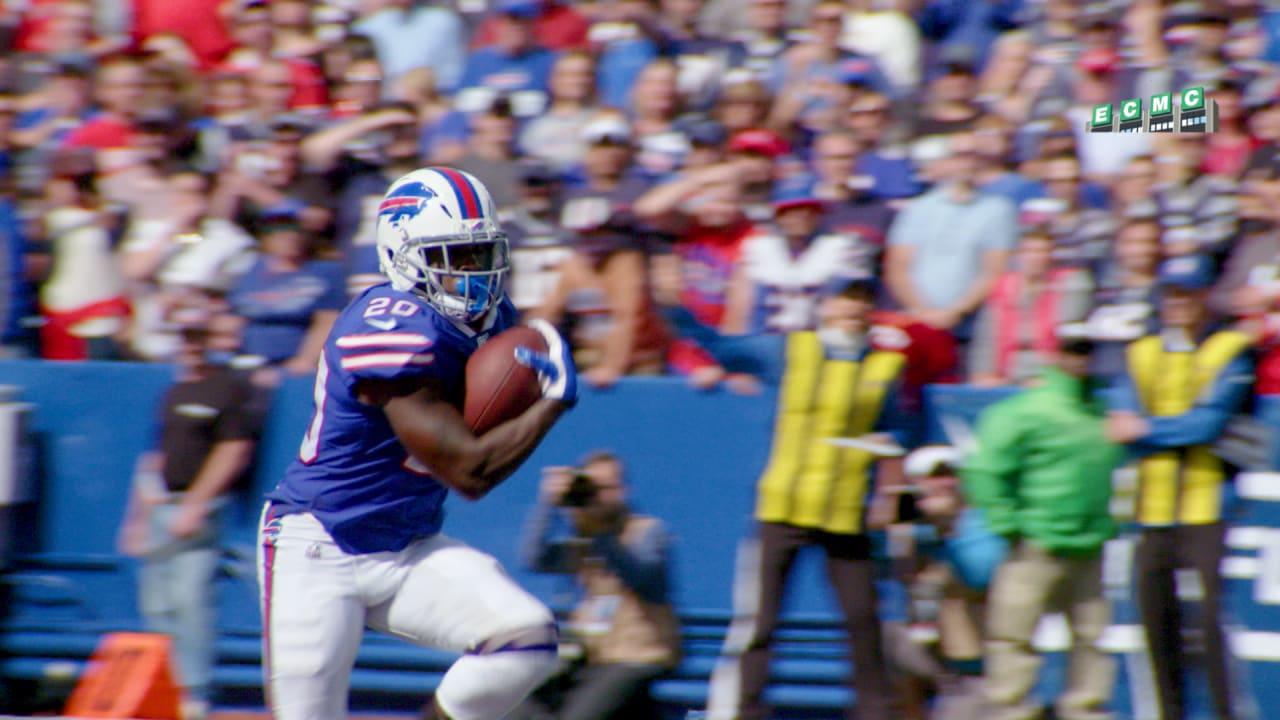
x=352, y=472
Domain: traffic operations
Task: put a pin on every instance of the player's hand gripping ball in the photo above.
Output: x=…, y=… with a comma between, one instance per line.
x=513, y=370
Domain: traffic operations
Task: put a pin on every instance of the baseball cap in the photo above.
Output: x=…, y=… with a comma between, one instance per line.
x=708, y=133
x=845, y=284
x=853, y=71
x=795, y=191
x=291, y=121
x=537, y=172
x=1040, y=211
x=959, y=57
x=765, y=142
x=1099, y=60
x=286, y=213
x=1187, y=272
x=607, y=128
x=1075, y=338
x=930, y=459
x=524, y=9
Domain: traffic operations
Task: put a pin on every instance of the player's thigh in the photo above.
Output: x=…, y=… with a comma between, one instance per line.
x=313, y=616
x=455, y=597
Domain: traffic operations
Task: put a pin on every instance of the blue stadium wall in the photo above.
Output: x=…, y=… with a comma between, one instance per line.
x=692, y=458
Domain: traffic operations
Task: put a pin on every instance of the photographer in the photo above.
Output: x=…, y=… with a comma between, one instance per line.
x=624, y=622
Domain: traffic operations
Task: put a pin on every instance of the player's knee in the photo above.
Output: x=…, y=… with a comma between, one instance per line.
x=538, y=633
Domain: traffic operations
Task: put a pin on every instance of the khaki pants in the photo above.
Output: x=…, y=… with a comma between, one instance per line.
x=1030, y=583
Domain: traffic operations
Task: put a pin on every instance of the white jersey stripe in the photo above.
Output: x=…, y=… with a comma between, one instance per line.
x=382, y=339
x=387, y=359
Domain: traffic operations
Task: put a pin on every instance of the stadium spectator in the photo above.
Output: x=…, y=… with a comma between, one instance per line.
x=1082, y=231
x=603, y=293
x=997, y=172
x=271, y=89
x=223, y=119
x=706, y=144
x=1126, y=299
x=271, y=173
x=623, y=37
x=198, y=22
x=539, y=244
x=1041, y=475
x=703, y=59
x=656, y=108
x=517, y=63
x=295, y=30
x=1016, y=331
x=17, y=306
x=700, y=210
x=337, y=56
x=44, y=121
x=800, y=75
x=1227, y=150
x=209, y=423
x=884, y=165
x=287, y=298
x=258, y=47
x=557, y=25
x=556, y=135
x=166, y=253
x=851, y=209
x=948, y=101
x=418, y=89
x=948, y=247
x=83, y=300
x=358, y=89
x=761, y=30
x=1188, y=197
x=1244, y=288
x=491, y=152
x=624, y=621
x=399, y=29
x=1133, y=192
x=886, y=33
x=785, y=265
x=757, y=154
x=1262, y=108
x=742, y=103
x=362, y=155
x=794, y=507
x=1180, y=501
x=118, y=86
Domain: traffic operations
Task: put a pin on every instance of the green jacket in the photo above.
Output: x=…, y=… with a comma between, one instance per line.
x=1042, y=468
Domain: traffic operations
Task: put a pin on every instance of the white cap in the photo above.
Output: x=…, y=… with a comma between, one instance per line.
x=922, y=462
x=607, y=127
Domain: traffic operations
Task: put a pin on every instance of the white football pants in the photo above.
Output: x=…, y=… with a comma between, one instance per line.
x=438, y=592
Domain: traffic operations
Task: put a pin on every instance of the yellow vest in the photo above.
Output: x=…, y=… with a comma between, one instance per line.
x=809, y=482
x=1183, y=485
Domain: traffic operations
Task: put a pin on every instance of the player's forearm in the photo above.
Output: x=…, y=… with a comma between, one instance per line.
x=507, y=446
x=435, y=434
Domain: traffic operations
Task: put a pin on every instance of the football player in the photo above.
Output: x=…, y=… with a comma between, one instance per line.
x=351, y=537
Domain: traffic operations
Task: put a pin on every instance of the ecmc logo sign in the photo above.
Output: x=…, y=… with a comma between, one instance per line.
x=1195, y=112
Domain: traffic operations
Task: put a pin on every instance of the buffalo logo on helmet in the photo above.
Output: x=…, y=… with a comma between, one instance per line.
x=405, y=202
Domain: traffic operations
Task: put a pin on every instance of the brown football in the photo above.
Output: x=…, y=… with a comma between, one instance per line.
x=499, y=388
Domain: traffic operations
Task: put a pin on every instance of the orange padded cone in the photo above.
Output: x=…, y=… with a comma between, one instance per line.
x=128, y=677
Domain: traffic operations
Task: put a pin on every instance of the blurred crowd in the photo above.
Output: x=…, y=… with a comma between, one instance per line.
x=729, y=158
x=197, y=181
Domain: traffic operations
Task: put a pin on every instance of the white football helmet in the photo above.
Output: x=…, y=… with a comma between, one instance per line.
x=438, y=236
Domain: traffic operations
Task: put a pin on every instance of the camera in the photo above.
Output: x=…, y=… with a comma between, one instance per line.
x=581, y=491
